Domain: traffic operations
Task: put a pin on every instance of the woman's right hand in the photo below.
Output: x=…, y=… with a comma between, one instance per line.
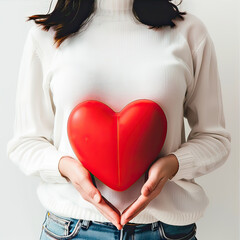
x=81, y=179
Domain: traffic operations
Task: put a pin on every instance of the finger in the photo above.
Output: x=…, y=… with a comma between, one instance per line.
x=137, y=212
x=141, y=202
x=108, y=208
x=113, y=221
x=158, y=188
x=129, y=218
x=90, y=190
x=150, y=185
x=109, y=212
x=106, y=215
x=138, y=204
x=128, y=206
x=112, y=206
x=87, y=190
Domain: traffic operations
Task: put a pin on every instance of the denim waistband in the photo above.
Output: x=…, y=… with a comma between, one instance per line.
x=76, y=224
x=143, y=226
x=127, y=227
x=86, y=223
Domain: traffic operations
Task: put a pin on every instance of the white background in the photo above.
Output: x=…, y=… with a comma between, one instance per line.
x=21, y=212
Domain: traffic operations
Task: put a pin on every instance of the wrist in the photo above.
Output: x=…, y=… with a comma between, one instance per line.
x=63, y=167
x=175, y=164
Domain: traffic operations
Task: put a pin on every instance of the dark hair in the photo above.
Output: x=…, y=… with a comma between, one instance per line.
x=69, y=16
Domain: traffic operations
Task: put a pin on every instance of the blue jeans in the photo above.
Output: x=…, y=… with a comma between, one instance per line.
x=58, y=227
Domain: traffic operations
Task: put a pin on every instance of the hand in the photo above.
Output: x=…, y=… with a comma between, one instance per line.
x=81, y=179
x=159, y=172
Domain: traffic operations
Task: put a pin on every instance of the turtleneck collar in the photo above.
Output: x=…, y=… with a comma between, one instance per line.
x=114, y=7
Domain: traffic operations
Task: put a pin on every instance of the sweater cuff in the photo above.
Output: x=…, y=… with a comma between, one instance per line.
x=51, y=173
x=186, y=163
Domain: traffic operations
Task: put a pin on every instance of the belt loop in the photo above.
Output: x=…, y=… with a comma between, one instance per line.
x=155, y=226
x=85, y=224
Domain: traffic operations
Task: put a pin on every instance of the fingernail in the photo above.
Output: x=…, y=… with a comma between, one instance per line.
x=120, y=227
x=146, y=191
x=96, y=198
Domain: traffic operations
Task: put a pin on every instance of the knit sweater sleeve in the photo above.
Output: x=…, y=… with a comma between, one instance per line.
x=208, y=143
x=31, y=147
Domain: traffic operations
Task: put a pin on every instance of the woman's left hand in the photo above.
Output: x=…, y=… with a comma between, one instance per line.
x=158, y=174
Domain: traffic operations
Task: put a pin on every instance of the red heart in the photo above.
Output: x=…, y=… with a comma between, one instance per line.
x=117, y=147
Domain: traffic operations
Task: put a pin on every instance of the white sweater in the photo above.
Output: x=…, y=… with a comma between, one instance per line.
x=116, y=60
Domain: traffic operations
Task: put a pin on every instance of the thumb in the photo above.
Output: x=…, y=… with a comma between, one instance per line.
x=149, y=186
x=91, y=191
x=97, y=197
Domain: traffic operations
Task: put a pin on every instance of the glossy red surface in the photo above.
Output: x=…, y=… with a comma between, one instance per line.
x=117, y=147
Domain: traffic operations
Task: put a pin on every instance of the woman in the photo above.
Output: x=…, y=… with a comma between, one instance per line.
x=116, y=52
